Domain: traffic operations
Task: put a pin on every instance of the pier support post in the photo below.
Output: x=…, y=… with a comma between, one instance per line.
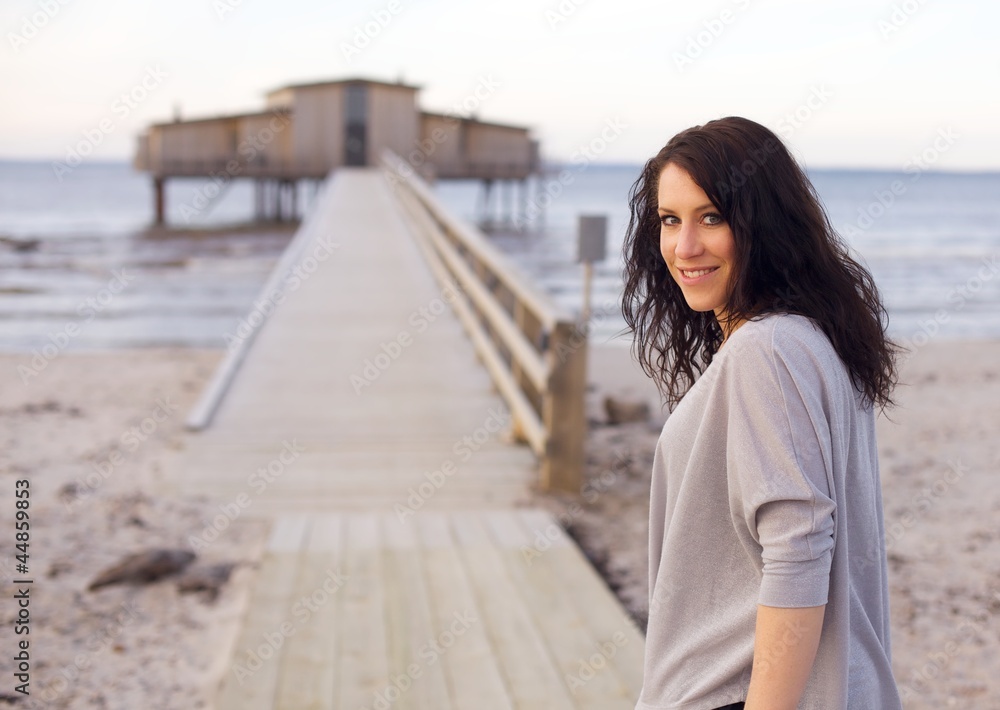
x=508, y=208
x=564, y=409
x=158, y=199
x=485, y=212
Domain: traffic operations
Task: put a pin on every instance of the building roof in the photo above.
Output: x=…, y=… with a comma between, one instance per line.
x=352, y=80
x=472, y=119
x=226, y=117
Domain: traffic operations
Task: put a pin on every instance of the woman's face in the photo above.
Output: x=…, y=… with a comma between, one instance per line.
x=695, y=241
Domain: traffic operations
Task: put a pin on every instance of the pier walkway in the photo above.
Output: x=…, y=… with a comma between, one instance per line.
x=406, y=565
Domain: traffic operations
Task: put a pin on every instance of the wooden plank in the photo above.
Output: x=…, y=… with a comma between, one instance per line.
x=253, y=677
x=471, y=669
x=307, y=678
x=597, y=604
x=585, y=662
x=414, y=671
x=525, y=661
x=363, y=662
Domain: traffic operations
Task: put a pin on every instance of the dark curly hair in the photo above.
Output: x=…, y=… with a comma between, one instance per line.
x=788, y=258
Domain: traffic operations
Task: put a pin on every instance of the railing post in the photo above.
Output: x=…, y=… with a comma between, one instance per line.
x=564, y=409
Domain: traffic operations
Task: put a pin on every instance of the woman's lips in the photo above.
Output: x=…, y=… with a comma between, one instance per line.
x=694, y=276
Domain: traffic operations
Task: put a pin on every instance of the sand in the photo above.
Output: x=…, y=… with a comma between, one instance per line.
x=116, y=647
x=127, y=647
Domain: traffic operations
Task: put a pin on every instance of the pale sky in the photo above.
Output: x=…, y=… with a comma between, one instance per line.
x=884, y=77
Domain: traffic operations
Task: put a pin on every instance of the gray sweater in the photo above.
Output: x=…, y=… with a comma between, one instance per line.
x=766, y=490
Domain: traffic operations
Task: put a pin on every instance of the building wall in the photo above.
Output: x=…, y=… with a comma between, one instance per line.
x=468, y=148
x=393, y=121
x=266, y=141
x=440, y=145
x=196, y=143
x=318, y=137
x=281, y=98
x=498, y=146
x=304, y=134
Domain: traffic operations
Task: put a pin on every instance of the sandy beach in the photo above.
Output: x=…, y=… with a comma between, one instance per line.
x=119, y=647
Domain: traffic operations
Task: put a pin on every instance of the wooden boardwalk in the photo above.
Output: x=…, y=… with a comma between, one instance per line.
x=406, y=566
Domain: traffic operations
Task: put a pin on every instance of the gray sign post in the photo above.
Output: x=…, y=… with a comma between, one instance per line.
x=593, y=237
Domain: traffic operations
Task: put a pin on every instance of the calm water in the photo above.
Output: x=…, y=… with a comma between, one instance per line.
x=934, y=251
x=66, y=246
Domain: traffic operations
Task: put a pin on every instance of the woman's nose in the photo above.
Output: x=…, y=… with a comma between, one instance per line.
x=688, y=244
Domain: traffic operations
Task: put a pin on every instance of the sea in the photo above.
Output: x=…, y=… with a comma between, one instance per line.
x=79, y=253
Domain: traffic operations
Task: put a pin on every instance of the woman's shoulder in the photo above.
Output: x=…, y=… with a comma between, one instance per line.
x=788, y=336
x=777, y=328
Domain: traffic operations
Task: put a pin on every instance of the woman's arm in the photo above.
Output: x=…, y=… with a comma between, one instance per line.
x=783, y=653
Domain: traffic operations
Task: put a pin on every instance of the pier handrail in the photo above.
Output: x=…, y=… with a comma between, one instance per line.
x=534, y=350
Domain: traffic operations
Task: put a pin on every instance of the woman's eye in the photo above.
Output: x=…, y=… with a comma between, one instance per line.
x=668, y=219
x=713, y=218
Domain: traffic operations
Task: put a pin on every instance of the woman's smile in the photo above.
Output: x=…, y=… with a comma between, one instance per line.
x=695, y=241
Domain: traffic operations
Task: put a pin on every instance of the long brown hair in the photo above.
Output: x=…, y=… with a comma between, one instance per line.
x=788, y=258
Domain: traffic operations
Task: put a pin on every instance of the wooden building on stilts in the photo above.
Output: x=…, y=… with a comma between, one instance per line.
x=307, y=130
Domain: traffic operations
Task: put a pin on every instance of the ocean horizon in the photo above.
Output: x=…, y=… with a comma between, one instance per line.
x=930, y=238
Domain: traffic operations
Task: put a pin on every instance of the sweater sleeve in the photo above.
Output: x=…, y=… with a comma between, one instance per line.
x=778, y=454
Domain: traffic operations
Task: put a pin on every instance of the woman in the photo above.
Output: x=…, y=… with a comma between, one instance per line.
x=767, y=560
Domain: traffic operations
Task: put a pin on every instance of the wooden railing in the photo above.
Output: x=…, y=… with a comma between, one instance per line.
x=535, y=351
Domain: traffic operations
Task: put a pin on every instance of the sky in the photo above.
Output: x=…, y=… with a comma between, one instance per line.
x=846, y=83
